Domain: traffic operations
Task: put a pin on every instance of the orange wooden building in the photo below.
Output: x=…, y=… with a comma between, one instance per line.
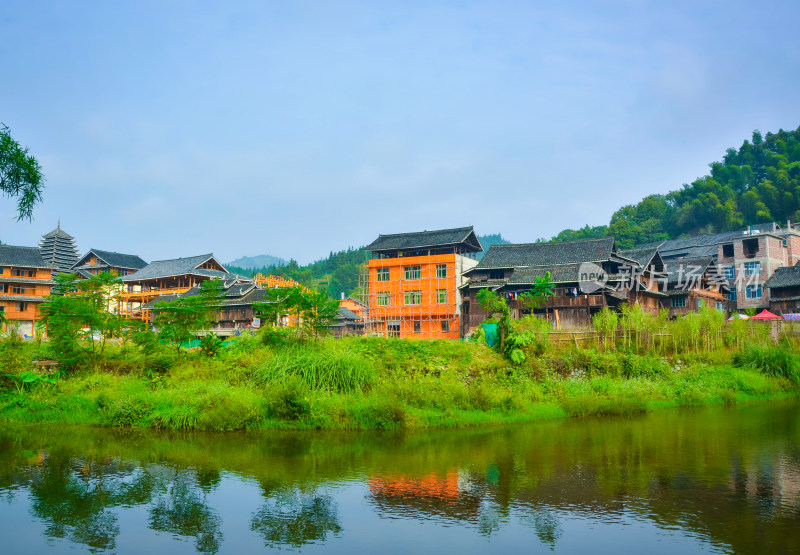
x=413, y=282
x=25, y=281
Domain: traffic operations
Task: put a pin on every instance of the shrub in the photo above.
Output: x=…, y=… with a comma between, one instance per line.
x=330, y=369
x=776, y=361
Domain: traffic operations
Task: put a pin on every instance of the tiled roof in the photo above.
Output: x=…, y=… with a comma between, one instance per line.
x=28, y=257
x=643, y=255
x=788, y=276
x=175, y=267
x=678, y=268
x=22, y=298
x=547, y=254
x=701, y=245
x=464, y=236
x=118, y=260
x=346, y=314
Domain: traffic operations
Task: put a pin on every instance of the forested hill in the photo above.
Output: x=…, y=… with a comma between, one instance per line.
x=339, y=272
x=759, y=182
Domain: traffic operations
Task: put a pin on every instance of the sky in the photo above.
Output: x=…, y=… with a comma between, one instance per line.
x=171, y=129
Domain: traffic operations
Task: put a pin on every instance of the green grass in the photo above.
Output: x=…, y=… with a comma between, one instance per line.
x=279, y=381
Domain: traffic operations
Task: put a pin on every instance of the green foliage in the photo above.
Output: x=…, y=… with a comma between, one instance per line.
x=332, y=369
x=78, y=322
x=178, y=321
x=779, y=361
x=20, y=175
x=757, y=183
x=542, y=289
x=606, y=322
x=495, y=304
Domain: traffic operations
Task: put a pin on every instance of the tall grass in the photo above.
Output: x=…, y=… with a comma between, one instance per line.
x=778, y=361
x=324, y=369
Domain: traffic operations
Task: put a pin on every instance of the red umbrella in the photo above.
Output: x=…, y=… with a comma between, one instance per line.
x=766, y=315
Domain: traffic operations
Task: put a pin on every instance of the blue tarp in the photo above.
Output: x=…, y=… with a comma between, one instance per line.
x=491, y=333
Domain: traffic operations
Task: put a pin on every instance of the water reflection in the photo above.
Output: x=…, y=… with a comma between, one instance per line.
x=717, y=479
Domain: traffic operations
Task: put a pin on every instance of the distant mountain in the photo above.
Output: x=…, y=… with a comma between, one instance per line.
x=260, y=261
x=489, y=240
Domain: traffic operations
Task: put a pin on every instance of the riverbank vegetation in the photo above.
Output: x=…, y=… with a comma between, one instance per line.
x=284, y=379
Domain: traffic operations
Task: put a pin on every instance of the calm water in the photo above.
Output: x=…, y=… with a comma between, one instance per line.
x=720, y=480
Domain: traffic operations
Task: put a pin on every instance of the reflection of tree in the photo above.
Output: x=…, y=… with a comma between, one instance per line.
x=295, y=519
x=182, y=511
x=546, y=526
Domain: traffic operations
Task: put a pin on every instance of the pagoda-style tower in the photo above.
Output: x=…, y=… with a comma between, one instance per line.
x=58, y=248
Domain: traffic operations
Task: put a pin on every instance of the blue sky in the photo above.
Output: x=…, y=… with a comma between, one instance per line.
x=171, y=129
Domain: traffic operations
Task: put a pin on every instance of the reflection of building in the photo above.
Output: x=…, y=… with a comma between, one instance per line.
x=413, y=282
x=25, y=279
x=452, y=496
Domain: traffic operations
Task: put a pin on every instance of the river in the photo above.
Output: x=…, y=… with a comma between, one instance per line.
x=709, y=480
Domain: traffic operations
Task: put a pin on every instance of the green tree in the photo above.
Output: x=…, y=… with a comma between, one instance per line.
x=77, y=317
x=20, y=175
x=278, y=303
x=178, y=321
x=318, y=312
x=543, y=288
x=494, y=304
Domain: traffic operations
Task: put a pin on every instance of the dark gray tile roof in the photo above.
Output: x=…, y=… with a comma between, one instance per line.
x=463, y=236
x=175, y=267
x=58, y=248
x=788, y=276
x=678, y=268
x=30, y=280
x=28, y=257
x=701, y=245
x=547, y=254
x=117, y=260
x=22, y=298
x=346, y=314
x=642, y=255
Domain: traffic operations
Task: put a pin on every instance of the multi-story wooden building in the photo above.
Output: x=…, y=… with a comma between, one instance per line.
x=784, y=290
x=96, y=261
x=164, y=277
x=412, y=282
x=25, y=281
x=588, y=275
x=694, y=283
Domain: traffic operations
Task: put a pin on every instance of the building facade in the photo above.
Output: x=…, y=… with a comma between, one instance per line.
x=25, y=282
x=413, y=280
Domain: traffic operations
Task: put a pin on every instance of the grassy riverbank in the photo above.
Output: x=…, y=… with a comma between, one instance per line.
x=275, y=380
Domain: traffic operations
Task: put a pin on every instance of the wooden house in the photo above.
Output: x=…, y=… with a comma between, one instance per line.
x=165, y=277
x=414, y=280
x=784, y=290
x=25, y=281
x=694, y=283
x=96, y=261
x=588, y=275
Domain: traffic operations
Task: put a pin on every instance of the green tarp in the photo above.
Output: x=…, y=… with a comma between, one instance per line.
x=491, y=333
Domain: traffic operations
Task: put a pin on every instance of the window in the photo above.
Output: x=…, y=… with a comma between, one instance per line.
x=750, y=247
x=17, y=272
x=413, y=297
x=730, y=272
x=445, y=326
x=727, y=250
x=417, y=326
x=752, y=268
x=413, y=272
x=383, y=274
x=393, y=329
x=441, y=296
x=678, y=302
x=720, y=306
x=383, y=299
x=732, y=295
x=441, y=270
x=700, y=303
x=496, y=274
x=22, y=307
x=31, y=273
x=17, y=290
x=753, y=292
